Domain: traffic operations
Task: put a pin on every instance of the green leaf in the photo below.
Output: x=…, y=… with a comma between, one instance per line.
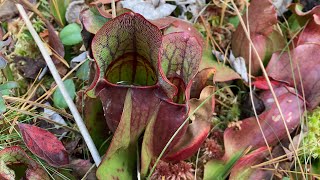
x=2, y=105
x=216, y=169
x=71, y=34
x=58, y=99
x=234, y=20
x=58, y=9
x=294, y=24
x=83, y=71
x=3, y=62
x=4, y=90
x=8, y=85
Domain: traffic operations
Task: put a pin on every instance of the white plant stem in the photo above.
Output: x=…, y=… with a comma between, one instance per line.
x=83, y=130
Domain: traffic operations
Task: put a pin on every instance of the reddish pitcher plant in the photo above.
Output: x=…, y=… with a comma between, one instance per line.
x=143, y=80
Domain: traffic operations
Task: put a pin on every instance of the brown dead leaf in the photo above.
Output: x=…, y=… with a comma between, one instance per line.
x=28, y=67
x=56, y=44
x=7, y=10
x=103, y=2
x=200, y=81
x=80, y=167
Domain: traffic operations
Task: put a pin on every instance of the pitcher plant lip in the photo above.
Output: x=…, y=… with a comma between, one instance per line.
x=98, y=76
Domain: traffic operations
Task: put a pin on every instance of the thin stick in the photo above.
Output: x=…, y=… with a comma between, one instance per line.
x=113, y=7
x=86, y=136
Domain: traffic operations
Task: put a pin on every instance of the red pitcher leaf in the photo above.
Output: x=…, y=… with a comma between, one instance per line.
x=127, y=52
x=144, y=101
x=190, y=142
x=296, y=9
x=122, y=138
x=262, y=18
x=14, y=156
x=268, y=99
x=304, y=60
x=170, y=118
x=311, y=33
x=112, y=99
x=92, y=20
x=147, y=144
x=44, y=144
x=271, y=124
x=163, y=124
x=181, y=55
x=119, y=161
x=198, y=130
x=242, y=169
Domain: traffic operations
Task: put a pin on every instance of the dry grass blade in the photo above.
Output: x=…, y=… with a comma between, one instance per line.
x=16, y=99
x=41, y=117
x=294, y=172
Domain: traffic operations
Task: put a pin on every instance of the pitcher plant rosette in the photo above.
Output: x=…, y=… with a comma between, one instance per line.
x=143, y=80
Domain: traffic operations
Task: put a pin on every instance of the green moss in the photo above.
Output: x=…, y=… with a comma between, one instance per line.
x=311, y=142
x=26, y=46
